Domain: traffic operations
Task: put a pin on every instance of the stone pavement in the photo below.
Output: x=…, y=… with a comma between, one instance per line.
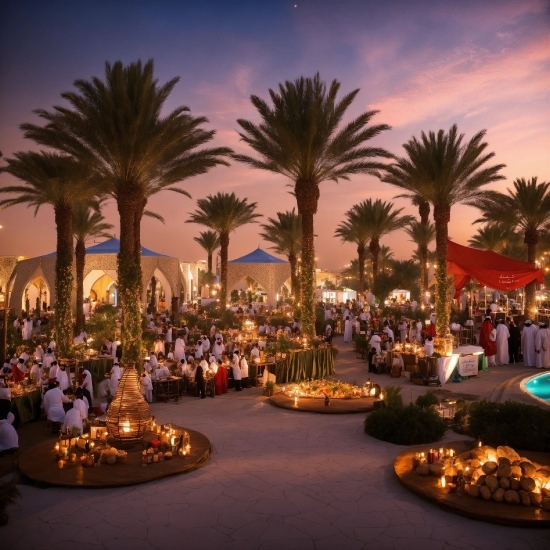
x=277, y=479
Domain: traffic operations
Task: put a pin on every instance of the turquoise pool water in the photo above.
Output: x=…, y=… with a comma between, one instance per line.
x=539, y=386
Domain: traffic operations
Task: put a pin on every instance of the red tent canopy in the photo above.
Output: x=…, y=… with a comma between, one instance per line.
x=489, y=268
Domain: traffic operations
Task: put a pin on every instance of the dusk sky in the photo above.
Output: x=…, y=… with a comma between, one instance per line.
x=424, y=65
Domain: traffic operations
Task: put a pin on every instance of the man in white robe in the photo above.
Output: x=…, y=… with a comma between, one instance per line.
x=39, y=353
x=146, y=387
x=36, y=371
x=198, y=350
x=116, y=369
x=53, y=370
x=503, y=357
x=27, y=329
x=63, y=378
x=113, y=383
x=9, y=440
x=53, y=404
x=73, y=420
x=348, y=328
x=48, y=358
x=179, y=349
x=218, y=349
x=376, y=343
x=542, y=347
x=528, y=343
x=153, y=360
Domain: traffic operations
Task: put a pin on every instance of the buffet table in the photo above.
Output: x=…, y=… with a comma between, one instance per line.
x=468, y=360
x=26, y=407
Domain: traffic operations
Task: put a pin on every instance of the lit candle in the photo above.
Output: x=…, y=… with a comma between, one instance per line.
x=441, y=452
x=479, y=444
x=296, y=401
x=451, y=453
x=57, y=447
x=443, y=482
x=60, y=463
x=126, y=426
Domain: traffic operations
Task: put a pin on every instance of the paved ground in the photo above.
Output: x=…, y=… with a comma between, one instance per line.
x=277, y=480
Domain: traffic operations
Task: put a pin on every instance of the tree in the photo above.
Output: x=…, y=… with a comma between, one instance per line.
x=422, y=235
x=88, y=223
x=115, y=126
x=355, y=229
x=385, y=258
x=59, y=181
x=285, y=233
x=501, y=238
x=301, y=138
x=444, y=171
x=224, y=213
x=405, y=274
x=380, y=218
x=526, y=208
x=210, y=241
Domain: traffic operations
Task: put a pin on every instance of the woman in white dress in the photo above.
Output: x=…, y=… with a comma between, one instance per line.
x=348, y=326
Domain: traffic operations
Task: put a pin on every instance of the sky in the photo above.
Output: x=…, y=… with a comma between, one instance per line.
x=424, y=65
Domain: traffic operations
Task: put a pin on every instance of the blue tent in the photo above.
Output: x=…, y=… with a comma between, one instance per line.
x=258, y=256
x=112, y=246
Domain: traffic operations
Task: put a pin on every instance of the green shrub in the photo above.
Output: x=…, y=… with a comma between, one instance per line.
x=102, y=325
x=522, y=427
x=427, y=400
x=409, y=425
x=393, y=397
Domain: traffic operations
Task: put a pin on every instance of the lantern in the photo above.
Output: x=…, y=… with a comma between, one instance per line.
x=129, y=415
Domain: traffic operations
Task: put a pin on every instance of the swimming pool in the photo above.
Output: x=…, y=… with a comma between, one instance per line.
x=539, y=387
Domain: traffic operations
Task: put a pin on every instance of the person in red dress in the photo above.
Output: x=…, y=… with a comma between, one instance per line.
x=220, y=380
x=486, y=340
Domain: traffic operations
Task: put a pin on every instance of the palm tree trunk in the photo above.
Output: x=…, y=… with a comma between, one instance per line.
x=130, y=208
x=424, y=270
x=442, y=217
x=531, y=239
x=374, y=248
x=424, y=212
x=307, y=198
x=64, y=278
x=361, y=262
x=224, y=250
x=80, y=260
x=209, y=263
x=294, y=282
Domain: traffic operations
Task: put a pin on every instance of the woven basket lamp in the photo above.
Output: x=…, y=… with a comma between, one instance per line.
x=129, y=416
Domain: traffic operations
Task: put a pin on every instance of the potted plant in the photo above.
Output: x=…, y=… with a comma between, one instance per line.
x=9, y=493
x=269, y=387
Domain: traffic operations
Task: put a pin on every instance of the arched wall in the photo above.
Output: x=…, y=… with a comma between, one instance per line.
x=270, y=275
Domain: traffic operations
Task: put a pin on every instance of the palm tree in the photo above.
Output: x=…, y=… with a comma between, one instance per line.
x=422, y=235
x=405, y=273
x=444, y=171
x=385, y=258
x=210, y=241
x=59, y=181
x=116, y=127
x=285, y=233
x=380, y=219
x=301, y=137
x=501, y=238
x=88, y=223
x=224, y=213
x=356, y=230
x=526, y=208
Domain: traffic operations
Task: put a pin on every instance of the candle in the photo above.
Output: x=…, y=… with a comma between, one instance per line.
x=443, y=482
x=57, y=447
x=60, y=463
x=479, y=444
x=451, y=453
x=295, y=401
x=441, y=452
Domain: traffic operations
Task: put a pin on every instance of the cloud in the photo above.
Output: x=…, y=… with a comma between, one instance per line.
x=469, y=81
